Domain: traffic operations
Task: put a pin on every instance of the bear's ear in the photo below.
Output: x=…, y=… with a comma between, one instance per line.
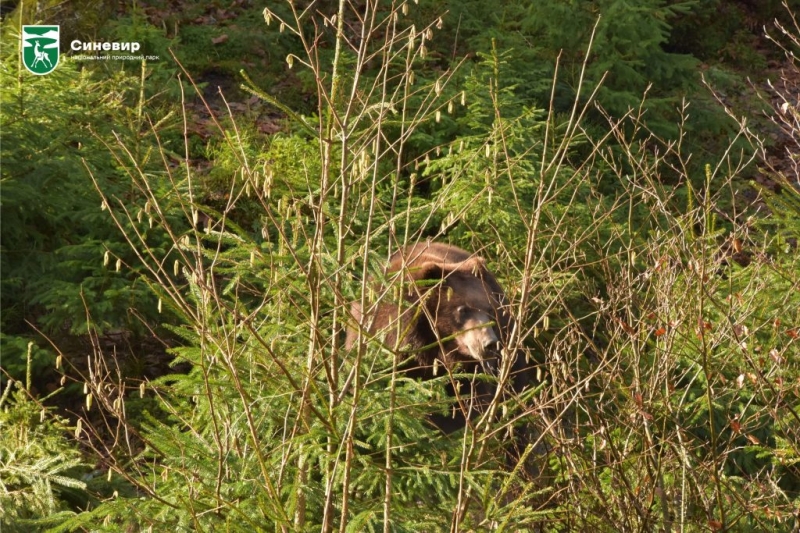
x=429, y=270
x=476, y=265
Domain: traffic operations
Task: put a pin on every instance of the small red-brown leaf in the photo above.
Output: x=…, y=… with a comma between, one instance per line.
x=736, y=426
x=221, y=39
x=715, y=525
x=753, y=440
x=702, y=327
x=660, y=332
x=638, y=399
x=629, y=330
x=792, y=333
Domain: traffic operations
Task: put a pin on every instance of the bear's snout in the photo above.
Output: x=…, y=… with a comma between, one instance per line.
x=478, y=338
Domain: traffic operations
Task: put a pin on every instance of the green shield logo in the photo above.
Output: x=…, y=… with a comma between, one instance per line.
x=40, y=49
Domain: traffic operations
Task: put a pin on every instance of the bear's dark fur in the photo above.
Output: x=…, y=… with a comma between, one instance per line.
x=453, y=312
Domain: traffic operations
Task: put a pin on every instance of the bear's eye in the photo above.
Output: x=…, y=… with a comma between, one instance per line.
x=461, y=312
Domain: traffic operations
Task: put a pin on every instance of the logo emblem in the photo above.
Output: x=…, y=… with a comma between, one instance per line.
x=40, y=48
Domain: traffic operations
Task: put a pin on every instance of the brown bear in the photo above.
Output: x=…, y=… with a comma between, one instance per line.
x=453, y=313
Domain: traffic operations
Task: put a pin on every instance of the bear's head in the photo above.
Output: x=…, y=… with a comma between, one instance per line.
x=460, y=303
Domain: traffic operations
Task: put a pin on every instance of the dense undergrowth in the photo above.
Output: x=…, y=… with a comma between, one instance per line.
x=660, y=311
